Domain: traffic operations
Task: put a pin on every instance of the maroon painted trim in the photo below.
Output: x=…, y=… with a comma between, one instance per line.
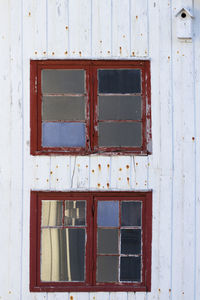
x=90, y=284
x=91, y=67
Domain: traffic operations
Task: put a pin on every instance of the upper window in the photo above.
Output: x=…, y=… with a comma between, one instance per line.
x=83, y=107
x=97, y=241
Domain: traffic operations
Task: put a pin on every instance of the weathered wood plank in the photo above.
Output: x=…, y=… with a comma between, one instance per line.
x=58, y=29
x=60, y=173
x=100, y=168
x=139, y=28
x=79, y=28
x=120, y=172
x=101, y=28
x=120, y=28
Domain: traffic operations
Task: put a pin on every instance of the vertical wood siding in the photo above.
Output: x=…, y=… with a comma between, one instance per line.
x=130, y=29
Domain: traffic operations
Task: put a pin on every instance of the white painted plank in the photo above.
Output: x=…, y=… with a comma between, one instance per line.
x=58, y=296
x=184, y=166
x=35, y=27
x=34, y=44
x=140, y=165
x=99, y=296
x=153, y=161
x=58, y=29
x=120, y=172
x=41, y=178
x=118, y=296
x=79, y=28
x=8, y=287
x=100, y=168
x=139, y=28
x=60, y=173
x=120, y=28
x=101, y=28
x=80, y=173
x=196, y=45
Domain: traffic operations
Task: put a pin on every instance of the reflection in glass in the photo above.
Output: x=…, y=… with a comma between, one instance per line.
x=107, y=241
x=108, y=213
x=63, y=81
x=130, y=241
x=52, y=213
x=62, y=254
x=107, y=268
x=74, y=213
x=120, y=134
x=68, y=108
x=130, y=269
x=131, y=213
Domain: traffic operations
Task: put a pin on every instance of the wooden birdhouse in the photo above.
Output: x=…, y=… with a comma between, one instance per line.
x=184, y=24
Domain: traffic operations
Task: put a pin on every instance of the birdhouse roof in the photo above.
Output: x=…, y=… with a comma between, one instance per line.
x=185, y=10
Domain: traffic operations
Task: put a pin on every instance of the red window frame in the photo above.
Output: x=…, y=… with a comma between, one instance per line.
x=36, y=285
x=91, y=67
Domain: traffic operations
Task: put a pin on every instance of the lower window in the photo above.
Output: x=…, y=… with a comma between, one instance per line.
x=90, y=241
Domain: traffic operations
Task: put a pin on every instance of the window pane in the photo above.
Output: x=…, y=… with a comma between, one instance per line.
x=107, y=268
x=63, y=81
x=62, y=254
x=52, y=213
x=119, y=81
x=63, y=108
x=107, y=241
x=108, y=213
x=130, y=241
x=131, y=213
x=120, y=134
x=74, y=213
x=63, y=134
x=119, y=107
x=130, y=269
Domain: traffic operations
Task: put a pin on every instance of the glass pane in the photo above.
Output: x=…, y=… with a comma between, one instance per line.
x=107, y=241
x=131, y=213
x=130, y=241
x=63, y=134
x=52, y=213
x=119, y=81
x=63, y=81
x=74, y=213
x=63, y=108
x=62, y=254
x=108, y=213
x=130, y=269
x=120, y=134
x=107, y=268
x=119, y=107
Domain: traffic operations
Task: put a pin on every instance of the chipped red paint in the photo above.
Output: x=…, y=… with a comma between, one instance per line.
x=90, y=283
x=91, y=67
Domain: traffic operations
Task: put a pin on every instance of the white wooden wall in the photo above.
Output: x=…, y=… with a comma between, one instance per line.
x=131, y=29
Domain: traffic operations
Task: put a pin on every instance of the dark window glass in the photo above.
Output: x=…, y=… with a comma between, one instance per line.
x=63, y=108
x=107, y=268
x=74, y=213
x=63, y=81
x=119, y=81
x=120, y=134
x=62, y=254
x=108, y=213
x=107, y=241
x=130, y=241
x=130, y=269
x=63, y=134
x=119, y=107
x=131, y=213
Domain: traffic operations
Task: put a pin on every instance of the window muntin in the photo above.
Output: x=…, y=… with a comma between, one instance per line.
x=89, y=241
x=90, y=106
